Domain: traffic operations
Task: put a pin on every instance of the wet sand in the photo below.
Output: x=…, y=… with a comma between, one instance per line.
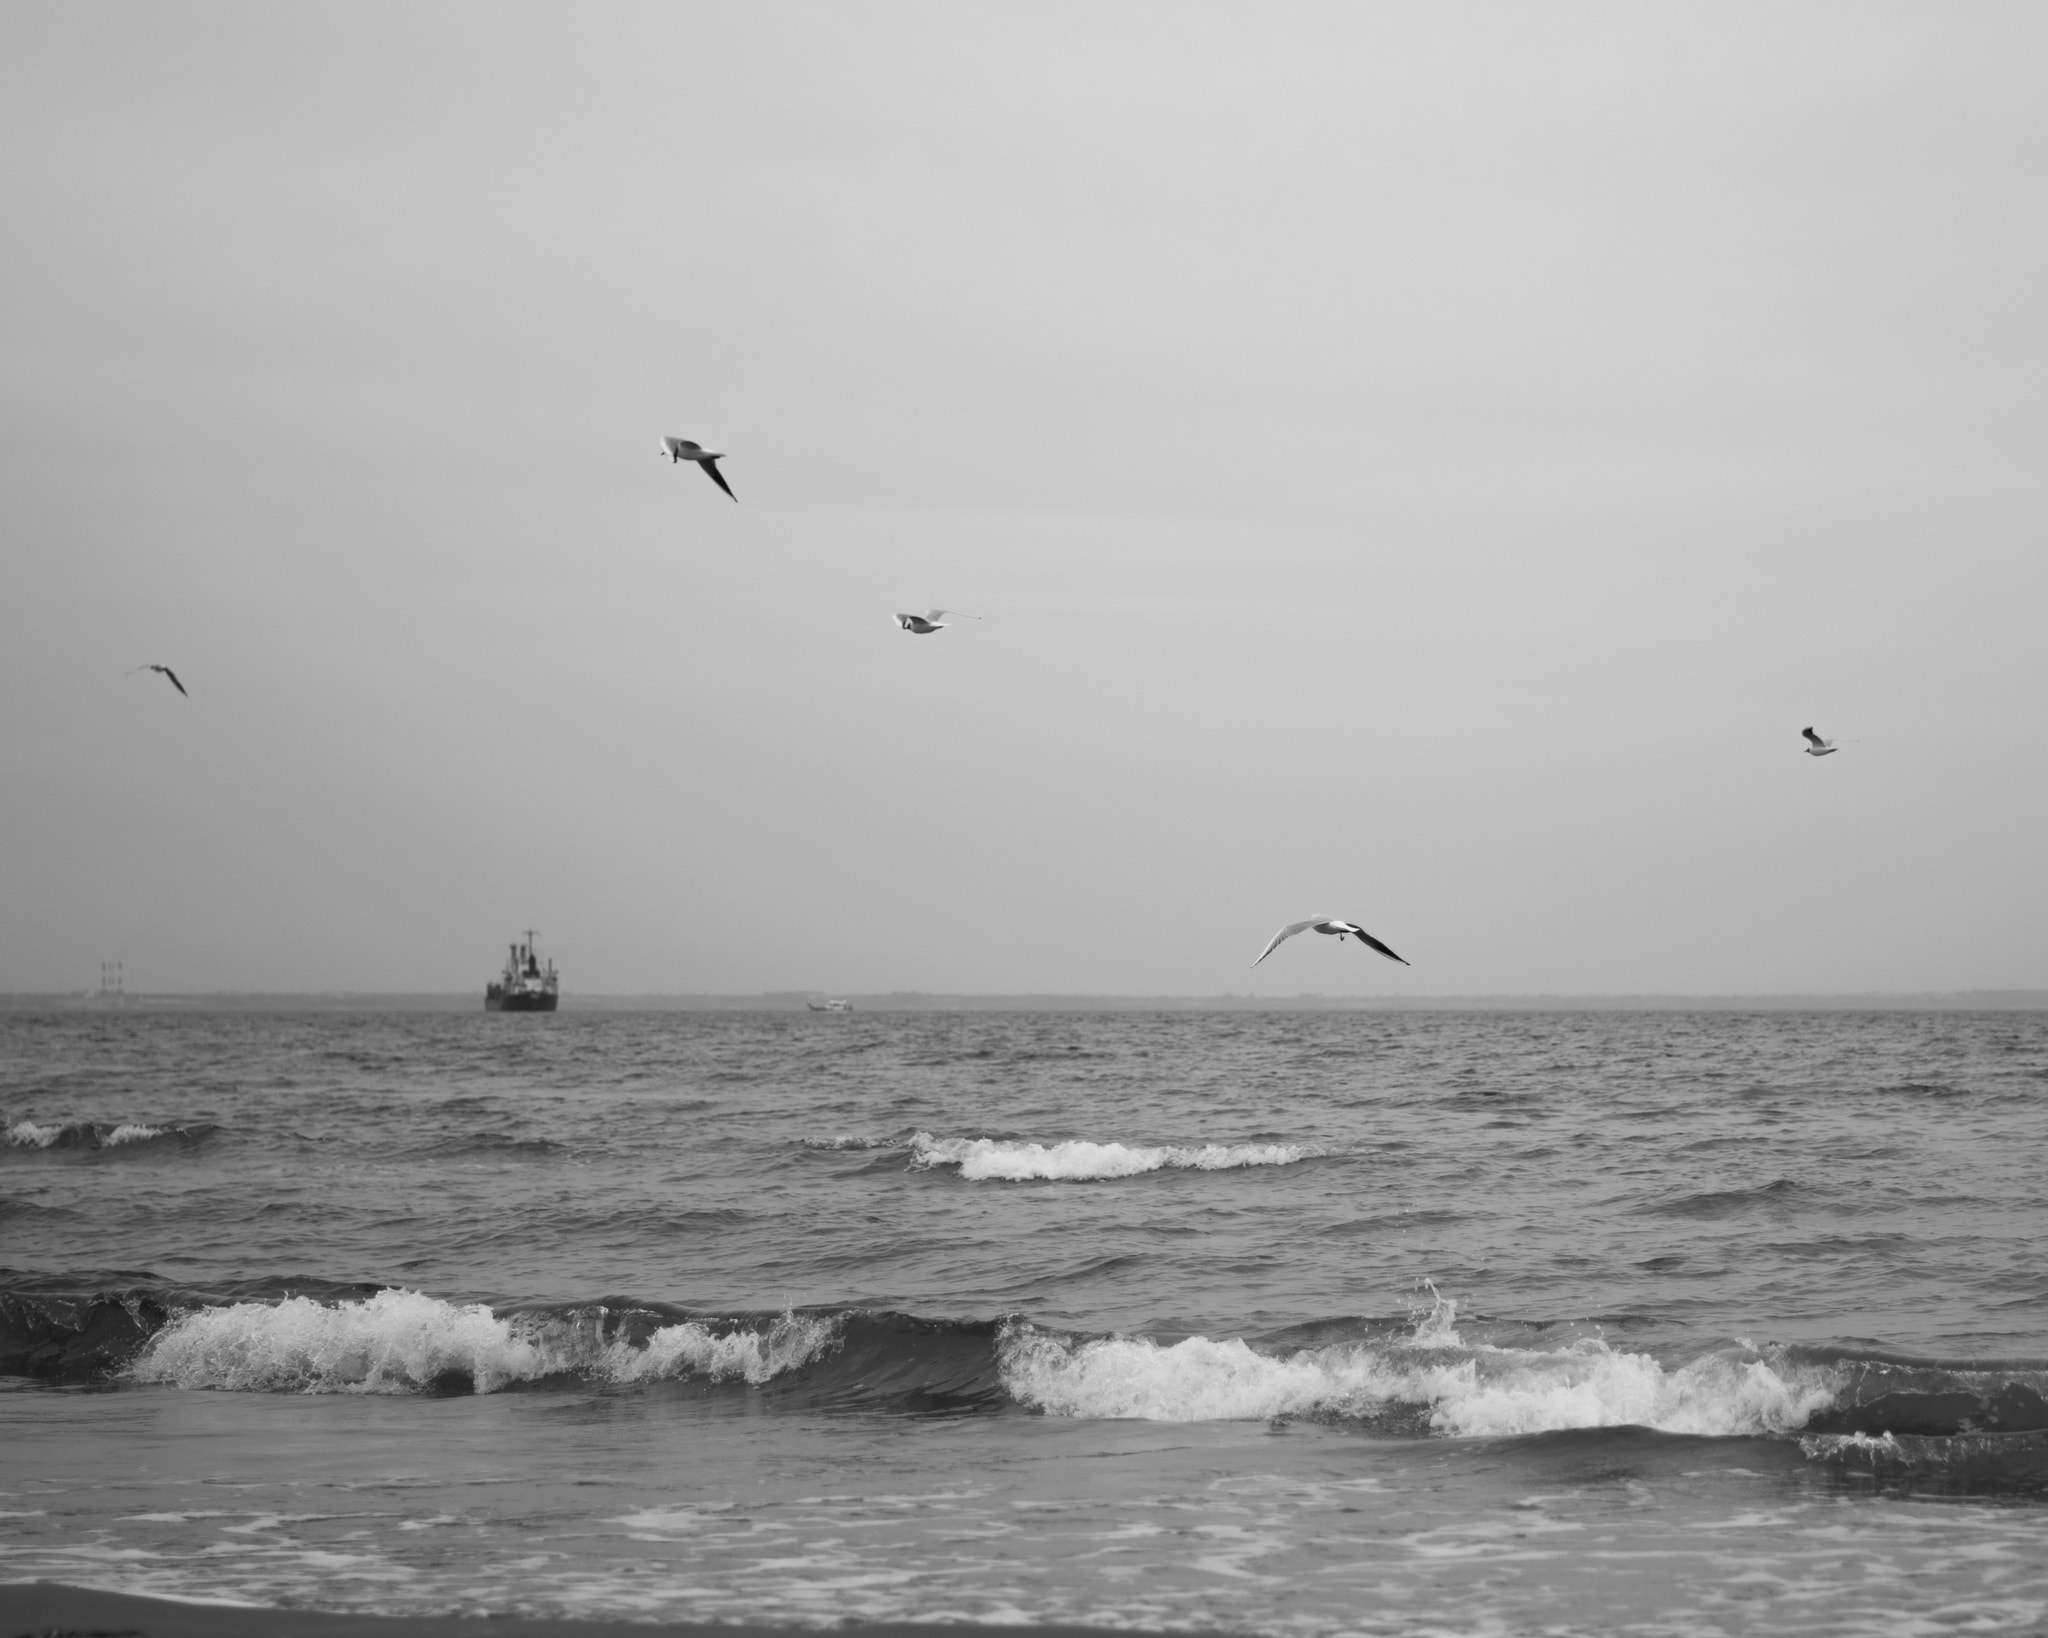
x=48, y=1609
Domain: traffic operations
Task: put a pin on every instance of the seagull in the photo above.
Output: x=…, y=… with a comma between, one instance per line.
x=923, y=625
x=682, y=449
x=168, y=672
x=1815, y=745
x=1328, y=924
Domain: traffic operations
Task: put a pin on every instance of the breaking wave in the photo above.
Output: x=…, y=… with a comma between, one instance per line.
x=1978, y=1426
x=86, y=1134
x=982, y=1159
x=1467, y=1393
x=400, y=1341
x=1968, y=1426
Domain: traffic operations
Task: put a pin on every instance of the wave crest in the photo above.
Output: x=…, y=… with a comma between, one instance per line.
x=695, y=1349
x=982, y=1159
x=1427, y=1382
x=407, y=1342
x=89, y=1134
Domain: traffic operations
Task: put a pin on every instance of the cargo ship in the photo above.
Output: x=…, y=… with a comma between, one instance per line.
x=525, y=985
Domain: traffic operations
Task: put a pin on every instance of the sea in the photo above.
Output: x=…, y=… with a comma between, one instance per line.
x=1289, y=1322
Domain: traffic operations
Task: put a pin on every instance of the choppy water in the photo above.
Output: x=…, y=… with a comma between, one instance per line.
x=1315, y=1323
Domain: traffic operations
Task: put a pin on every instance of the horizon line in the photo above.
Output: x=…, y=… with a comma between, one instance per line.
x=2016, y=998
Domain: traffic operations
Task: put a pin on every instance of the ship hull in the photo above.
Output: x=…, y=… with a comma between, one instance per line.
x=526, y=985
x=519, y=1003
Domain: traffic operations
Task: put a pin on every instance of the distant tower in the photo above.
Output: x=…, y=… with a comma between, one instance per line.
x=111, y=988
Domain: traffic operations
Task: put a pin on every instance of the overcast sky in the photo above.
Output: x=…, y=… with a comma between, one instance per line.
x=1423, y=463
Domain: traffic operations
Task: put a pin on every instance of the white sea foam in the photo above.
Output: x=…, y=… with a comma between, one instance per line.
x=981, y=1159
x=691, y=1349
x=27, y=1134
x=403, y=1341
x=1819, y=1445
x=1464, y=1391
x=657, y=1523
x=393, y=1342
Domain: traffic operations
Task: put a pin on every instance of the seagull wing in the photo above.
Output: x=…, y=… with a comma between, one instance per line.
x=936, y=615
x=710, y=464
x=1366, y=938
x=168, y=672
x=1285, y=934
x=1811, y=737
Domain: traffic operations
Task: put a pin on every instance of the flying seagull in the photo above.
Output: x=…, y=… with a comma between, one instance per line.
x=923, y=625
x=682, y=449
x=1328, y=924
x=168, y=672
x=1815, y=745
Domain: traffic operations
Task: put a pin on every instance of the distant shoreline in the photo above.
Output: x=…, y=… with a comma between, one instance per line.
x=920, y=1001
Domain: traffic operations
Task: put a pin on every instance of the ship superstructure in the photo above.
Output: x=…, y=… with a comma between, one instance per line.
x=526, y=985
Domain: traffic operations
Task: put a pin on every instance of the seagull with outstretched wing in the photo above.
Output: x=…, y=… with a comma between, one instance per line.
x=167, y=671
x=923, y=625
x=682, y=449
x=1815, y=745
x=1328, y=924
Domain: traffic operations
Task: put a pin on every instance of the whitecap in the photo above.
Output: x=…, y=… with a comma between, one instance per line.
x=1478, y=1392
x=401, y=1341
x=26, y=1134
x=983, y=1159
x=394, y=1342
x=694, y=1349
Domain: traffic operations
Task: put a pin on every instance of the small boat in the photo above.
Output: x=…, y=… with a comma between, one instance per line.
x=830, y=1006
x=525, y=985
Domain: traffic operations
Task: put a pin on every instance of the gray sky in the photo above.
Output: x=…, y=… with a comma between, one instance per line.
x=1423, y=463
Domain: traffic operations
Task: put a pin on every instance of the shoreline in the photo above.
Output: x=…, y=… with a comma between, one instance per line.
x=53, y=1609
